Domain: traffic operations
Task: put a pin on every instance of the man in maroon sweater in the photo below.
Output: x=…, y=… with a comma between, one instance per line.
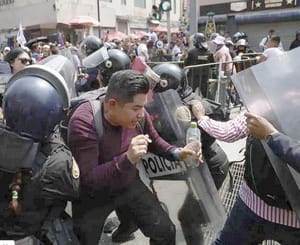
x=109, y=178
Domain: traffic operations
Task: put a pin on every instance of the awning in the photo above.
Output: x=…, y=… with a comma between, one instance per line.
x=83, y=21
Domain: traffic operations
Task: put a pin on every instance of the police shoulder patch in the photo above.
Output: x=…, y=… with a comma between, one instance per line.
x=75, y=169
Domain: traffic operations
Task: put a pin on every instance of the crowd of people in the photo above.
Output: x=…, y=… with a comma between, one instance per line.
x=109, y=178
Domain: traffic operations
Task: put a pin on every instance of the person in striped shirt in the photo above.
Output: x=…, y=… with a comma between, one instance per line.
x=261, y=211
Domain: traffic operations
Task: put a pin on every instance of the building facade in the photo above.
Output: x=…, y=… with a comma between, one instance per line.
x=44, y=17
x=255, y=17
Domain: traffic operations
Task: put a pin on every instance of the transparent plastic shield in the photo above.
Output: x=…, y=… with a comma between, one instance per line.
x=171, y=118
x=67, y=52
x=272, y=90
x=64, y=66
x=165, y=108
x=3, y=82
x=96, y=58
x=58, y=71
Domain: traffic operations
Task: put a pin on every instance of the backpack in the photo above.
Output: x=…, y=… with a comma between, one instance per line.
x=91, y=96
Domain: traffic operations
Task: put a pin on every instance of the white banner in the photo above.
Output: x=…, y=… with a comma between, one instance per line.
x=20, y=37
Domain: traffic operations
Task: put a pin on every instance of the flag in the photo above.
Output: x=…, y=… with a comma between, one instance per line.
x=20, y=37
x=60, y=38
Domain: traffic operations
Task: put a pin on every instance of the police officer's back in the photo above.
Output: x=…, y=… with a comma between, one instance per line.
x=198, y=77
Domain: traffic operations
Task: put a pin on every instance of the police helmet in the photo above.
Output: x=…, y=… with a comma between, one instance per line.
x=89, y=45
x=172, y=73
x=199, y=40
x=297, y=33
x=117, y=61
x=33, y=107
x=241, y=42
x=239, y=35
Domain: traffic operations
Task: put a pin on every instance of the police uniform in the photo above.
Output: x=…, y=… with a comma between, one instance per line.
x=198, y=77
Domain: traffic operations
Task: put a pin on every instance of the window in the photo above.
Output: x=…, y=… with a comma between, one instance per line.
x=140, y=3
x=123, y=2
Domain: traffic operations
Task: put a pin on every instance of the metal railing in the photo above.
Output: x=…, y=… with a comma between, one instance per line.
x=222, y=79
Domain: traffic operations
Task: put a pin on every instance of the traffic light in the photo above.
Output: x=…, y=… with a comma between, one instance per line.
x=165, y=5
x=156, y=15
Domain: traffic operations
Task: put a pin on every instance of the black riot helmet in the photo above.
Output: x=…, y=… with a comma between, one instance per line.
x=89, y=45
x=199, y=41
x=172, y=73
x=117, y=60
x=33, y=107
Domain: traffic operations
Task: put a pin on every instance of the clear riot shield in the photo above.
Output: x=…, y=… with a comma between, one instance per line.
x=272, y=90
x=171, y=118
x=58, y=71
x=96, y=58
x=5, y=74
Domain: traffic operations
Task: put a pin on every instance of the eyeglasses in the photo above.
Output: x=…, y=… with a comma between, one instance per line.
x=24, y=61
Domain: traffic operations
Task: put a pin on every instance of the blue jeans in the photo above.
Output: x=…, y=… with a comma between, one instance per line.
x=243, y=227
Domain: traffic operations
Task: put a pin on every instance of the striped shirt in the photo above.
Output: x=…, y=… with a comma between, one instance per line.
x=234, y=130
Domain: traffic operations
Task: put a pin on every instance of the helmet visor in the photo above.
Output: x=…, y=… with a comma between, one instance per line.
x=96, y=58
x=204, y=45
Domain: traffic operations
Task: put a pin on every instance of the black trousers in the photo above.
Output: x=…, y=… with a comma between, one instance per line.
x=89, y=215
x=190, y=215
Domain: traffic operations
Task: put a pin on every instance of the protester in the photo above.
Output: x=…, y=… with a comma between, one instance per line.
x=142, y=49
x=109, y=178
x=248, y=222
x=18, y=58
x=272, y=49
x=46, y=51
x=6, y=50
x=283, y=146
x=36, y=52
x=264, y=41
x=222, y=54
x=174, y=51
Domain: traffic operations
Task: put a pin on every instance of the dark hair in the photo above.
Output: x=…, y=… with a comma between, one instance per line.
x=13, y=54
x=144, y=38
x=124, y=85
x=275, y=39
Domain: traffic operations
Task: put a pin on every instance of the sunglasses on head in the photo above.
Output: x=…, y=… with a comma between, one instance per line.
x=24, y=61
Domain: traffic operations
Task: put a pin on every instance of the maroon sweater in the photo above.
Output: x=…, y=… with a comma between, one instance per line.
x=104, y=166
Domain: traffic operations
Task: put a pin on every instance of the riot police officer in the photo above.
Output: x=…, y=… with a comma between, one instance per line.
x=115, y=60
x=37, y=172
x=198, y=77
x=89, y=82
x=190, y=215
